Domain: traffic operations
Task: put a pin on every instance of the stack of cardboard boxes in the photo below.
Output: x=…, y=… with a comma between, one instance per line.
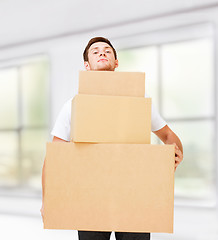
x=109, y=177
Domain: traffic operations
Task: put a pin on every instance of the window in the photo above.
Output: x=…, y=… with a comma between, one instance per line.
x=24, y=123
x=179, y=78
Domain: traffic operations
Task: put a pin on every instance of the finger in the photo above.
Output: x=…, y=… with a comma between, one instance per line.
x=179, y=155
x=176, y=146
x=177, y=163
x=178, y=160
x=178, y=151
x=175, y=168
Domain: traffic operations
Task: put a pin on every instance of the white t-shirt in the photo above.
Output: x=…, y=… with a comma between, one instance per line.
x=61, y=128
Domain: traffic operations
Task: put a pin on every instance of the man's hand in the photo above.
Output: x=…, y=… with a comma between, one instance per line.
x=178, y=156
x=42, y=211
x=167, y=136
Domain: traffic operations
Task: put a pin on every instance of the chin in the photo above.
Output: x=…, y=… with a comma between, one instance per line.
x=105, y=68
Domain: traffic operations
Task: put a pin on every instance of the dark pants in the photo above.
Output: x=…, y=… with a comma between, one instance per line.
x=93, y=235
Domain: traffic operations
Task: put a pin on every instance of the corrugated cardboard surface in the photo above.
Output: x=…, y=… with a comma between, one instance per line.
x=112, y=83
x=112, y=119
x=109, y=187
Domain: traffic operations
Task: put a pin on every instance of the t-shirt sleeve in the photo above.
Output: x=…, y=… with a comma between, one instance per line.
x=157, y=122
x=61, y=128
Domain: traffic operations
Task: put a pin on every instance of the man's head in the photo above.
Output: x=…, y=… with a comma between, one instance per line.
x=100, y=55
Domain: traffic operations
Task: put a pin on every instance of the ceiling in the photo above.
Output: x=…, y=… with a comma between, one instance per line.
x=23, y=21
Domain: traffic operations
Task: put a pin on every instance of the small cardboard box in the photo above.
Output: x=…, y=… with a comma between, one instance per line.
x=112, y=83
x=109, y=187
x=111, y=119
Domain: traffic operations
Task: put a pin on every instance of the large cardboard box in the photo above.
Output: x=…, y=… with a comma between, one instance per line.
x=112, y=119
x=112, y=83
x=109, y=187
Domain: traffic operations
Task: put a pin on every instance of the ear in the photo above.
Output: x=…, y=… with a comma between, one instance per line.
x=86, y=64
x=116, y=63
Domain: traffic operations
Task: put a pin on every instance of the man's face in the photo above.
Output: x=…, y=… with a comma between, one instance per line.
x=101, y=58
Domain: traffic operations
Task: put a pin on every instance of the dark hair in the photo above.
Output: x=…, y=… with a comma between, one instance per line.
x=94, y=40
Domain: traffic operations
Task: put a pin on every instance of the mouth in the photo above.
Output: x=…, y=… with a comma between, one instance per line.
x=102, y=60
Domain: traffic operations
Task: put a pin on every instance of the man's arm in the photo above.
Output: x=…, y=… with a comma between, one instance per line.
x=167, y=136
x=55, y=139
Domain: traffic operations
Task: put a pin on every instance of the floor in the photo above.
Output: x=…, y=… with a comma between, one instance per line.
x=21, y=218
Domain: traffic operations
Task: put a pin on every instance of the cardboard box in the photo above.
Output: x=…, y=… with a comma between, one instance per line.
x=109, y=187
x=112, y=119
x=112, y=83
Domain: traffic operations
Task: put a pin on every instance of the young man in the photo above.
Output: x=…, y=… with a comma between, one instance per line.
x=100, y=55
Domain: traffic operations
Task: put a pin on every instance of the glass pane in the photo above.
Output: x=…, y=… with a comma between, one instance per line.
x=8, y=98
x=142, y=60
x=195, y=176
x=35, y=111
x=9, y=160
x=188, y=84
x=33, y=146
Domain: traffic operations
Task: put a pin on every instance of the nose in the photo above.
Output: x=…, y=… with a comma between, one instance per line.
x=102, y=54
